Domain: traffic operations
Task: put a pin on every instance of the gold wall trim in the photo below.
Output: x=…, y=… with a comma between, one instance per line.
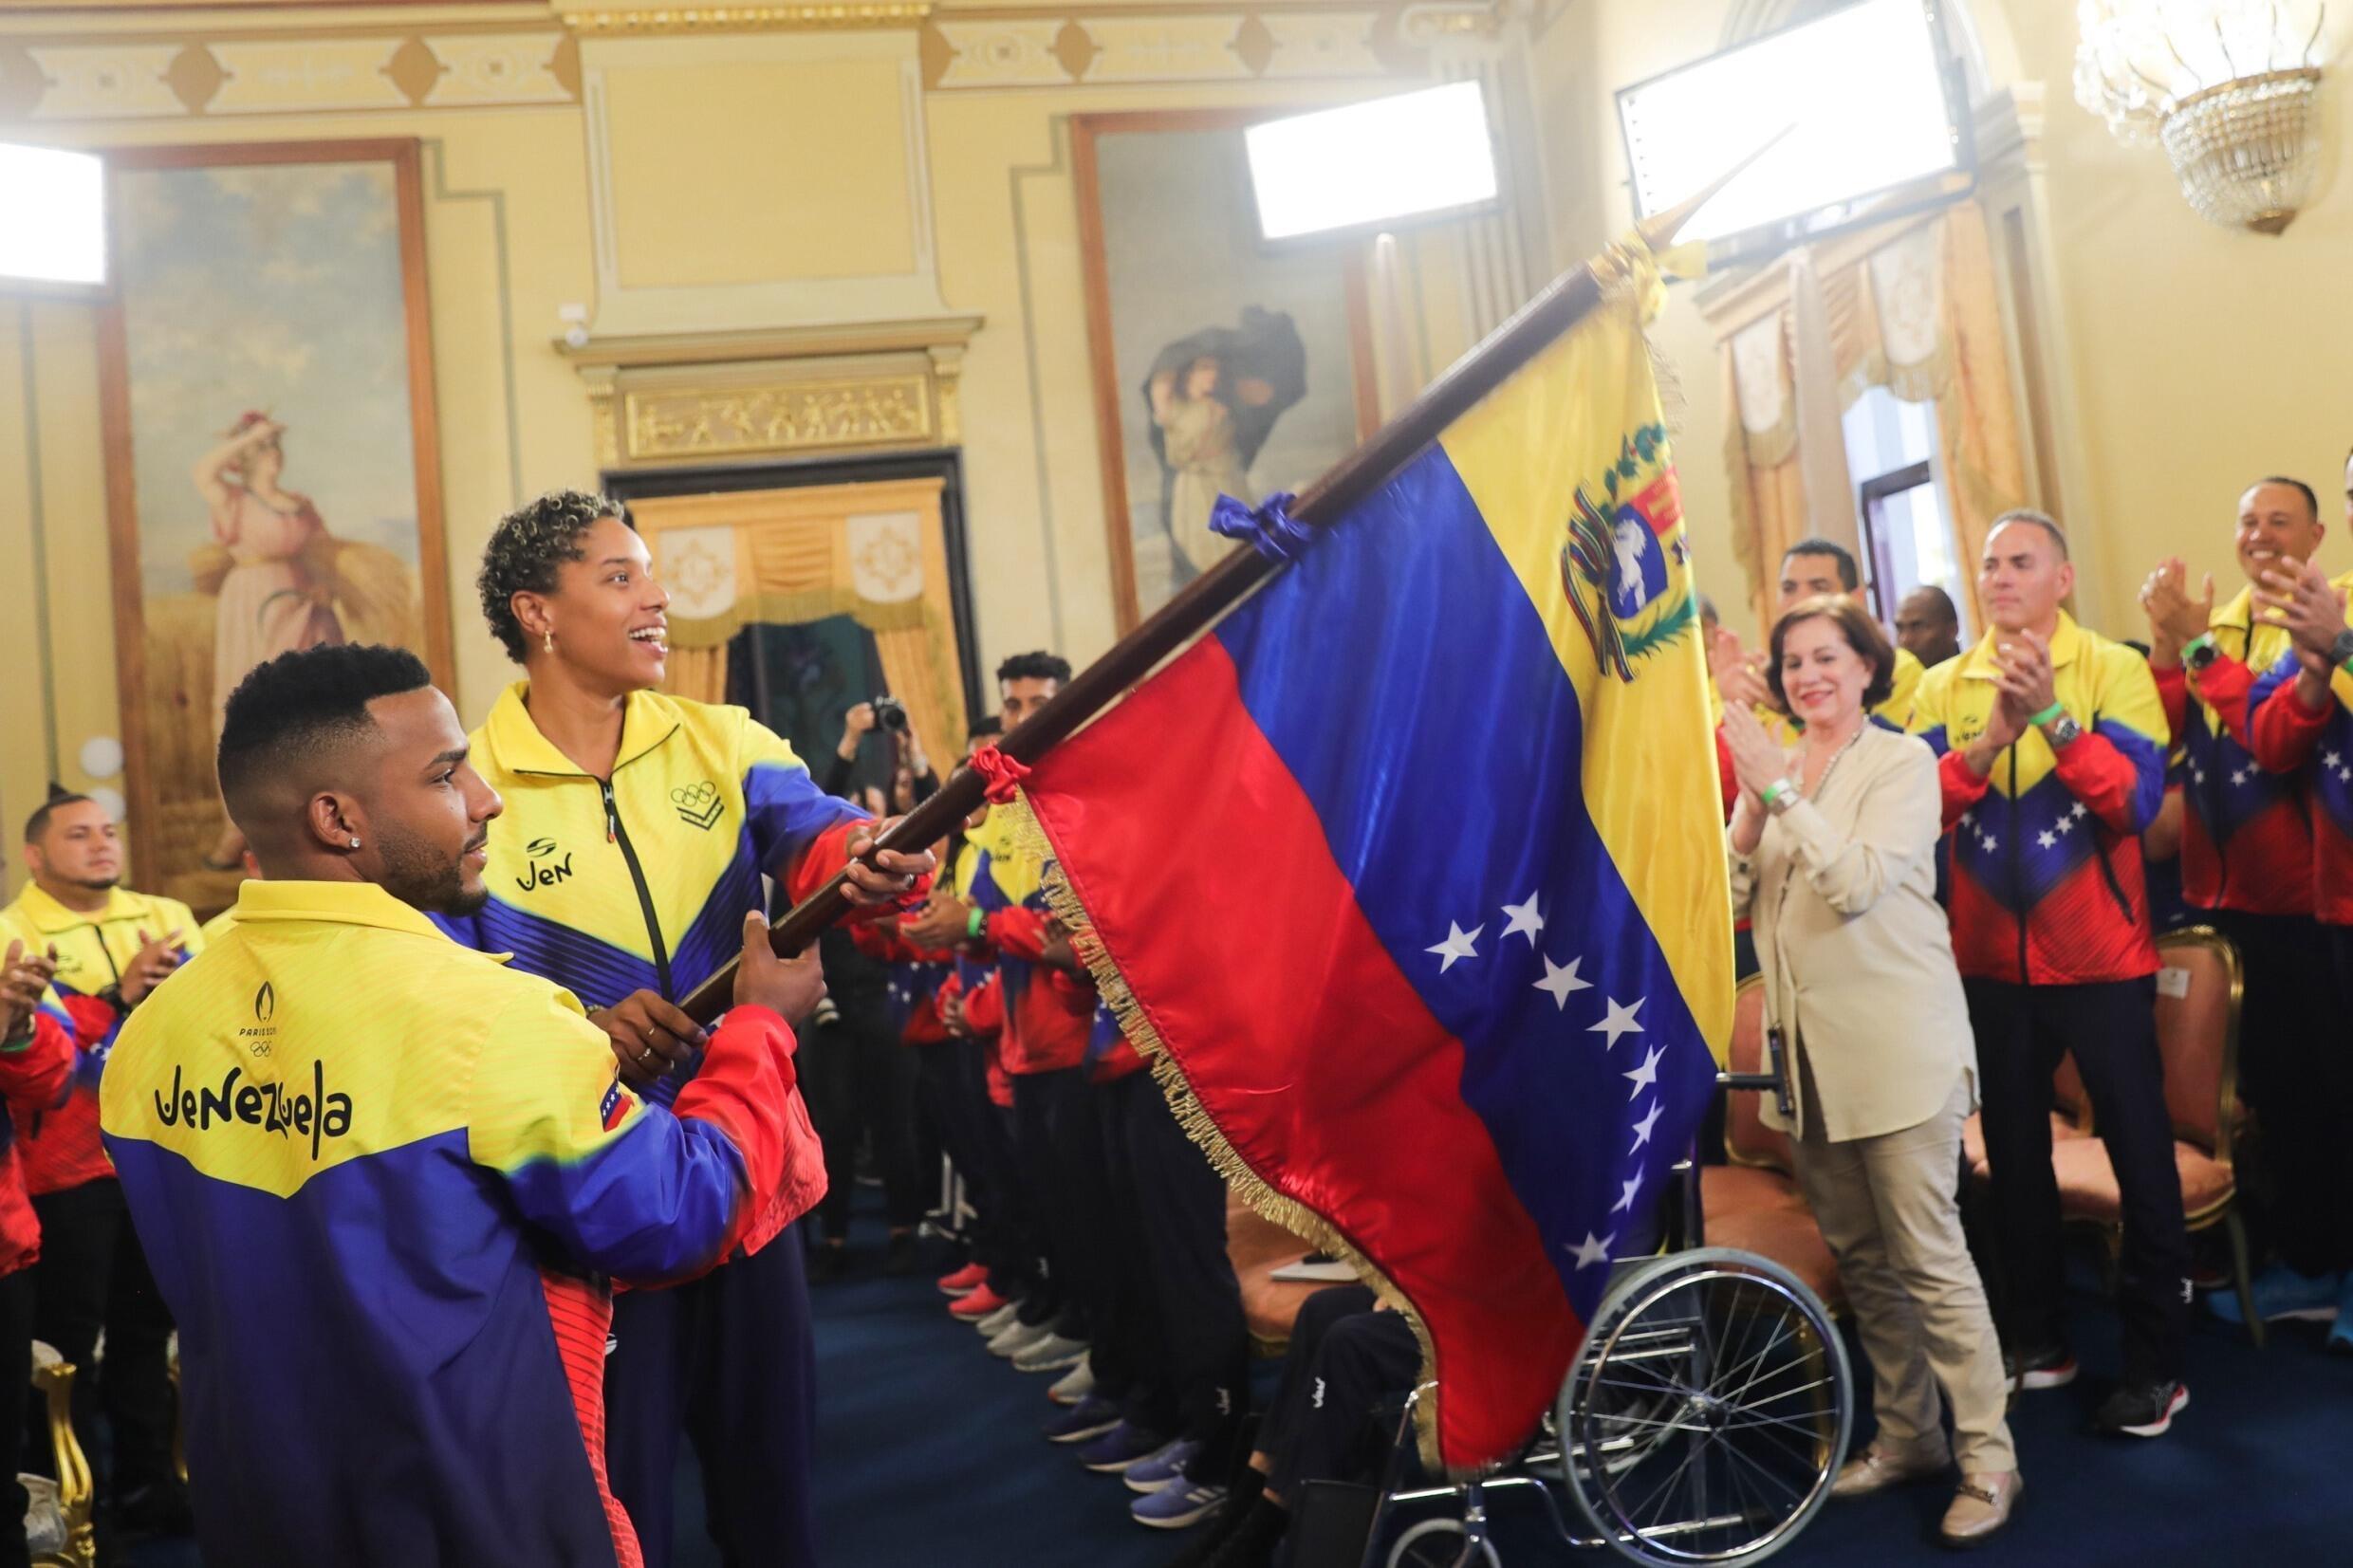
x=707, y=19
x=787, y=417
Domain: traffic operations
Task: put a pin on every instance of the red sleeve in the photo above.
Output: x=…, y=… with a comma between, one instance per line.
x=1725, y=776
x=2226, y=684
x=2173, y=689
x=36, y=1075
x=741, y=1089
x=1018, y=932
x=825, y=856
x=2095, y=773
x=1960, y=785
x=2284, y=732
x=876, y=943
x=984, y=1010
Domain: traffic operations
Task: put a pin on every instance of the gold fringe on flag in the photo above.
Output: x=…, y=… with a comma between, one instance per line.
x=1065, y=904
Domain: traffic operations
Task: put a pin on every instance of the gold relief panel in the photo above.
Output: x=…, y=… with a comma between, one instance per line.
x=688, y=424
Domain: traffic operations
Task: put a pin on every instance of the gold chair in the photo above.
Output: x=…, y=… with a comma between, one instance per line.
x=2199, y=992
x=59, y=1525
x=1753, y=1202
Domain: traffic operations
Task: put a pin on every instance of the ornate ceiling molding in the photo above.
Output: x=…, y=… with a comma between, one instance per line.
x=660, y=20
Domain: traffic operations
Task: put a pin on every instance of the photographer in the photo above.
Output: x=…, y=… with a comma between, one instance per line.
x=888, y=714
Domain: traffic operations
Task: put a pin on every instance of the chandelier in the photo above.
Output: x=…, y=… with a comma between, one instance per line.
x=2229, y=88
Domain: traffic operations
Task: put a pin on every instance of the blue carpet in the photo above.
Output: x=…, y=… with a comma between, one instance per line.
x=929, y=1454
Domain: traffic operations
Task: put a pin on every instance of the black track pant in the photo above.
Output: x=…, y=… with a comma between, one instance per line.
x=2296, y=1071
x=1207, y=1340
x=2111, y=1027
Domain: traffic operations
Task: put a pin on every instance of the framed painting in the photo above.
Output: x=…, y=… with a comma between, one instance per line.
x=272, y=474
x=1221, y=365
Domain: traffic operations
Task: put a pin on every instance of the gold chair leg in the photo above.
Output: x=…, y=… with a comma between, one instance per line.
x=77, y=1491
x=2239, y=1273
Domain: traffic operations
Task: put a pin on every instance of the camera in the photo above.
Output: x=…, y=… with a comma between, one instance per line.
x=889, y=713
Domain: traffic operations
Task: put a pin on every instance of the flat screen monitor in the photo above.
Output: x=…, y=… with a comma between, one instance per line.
x=52, y=220
x=1870, y=101
x=1407, y=157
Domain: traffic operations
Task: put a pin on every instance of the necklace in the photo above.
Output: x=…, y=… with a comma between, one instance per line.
x=1837, y=757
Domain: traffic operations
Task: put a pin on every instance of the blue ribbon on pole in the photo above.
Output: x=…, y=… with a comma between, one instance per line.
x=1268, y=528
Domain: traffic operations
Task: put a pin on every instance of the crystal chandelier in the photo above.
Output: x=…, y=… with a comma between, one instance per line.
x=2229, y=88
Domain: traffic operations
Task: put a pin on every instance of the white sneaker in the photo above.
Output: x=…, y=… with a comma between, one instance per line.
x=1018, y=1339
x=999, y=1320
x=1074, y=1385
x=1051, y=1354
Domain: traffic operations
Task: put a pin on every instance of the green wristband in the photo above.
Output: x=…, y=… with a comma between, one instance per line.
x=974, y=924
x=2048, y=714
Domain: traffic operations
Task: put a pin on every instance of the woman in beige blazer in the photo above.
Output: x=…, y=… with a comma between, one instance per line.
x=1833, y=860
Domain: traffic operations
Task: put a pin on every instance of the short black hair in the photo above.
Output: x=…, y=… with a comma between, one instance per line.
x=1850, y=577
x=2033, y=519
x=1938, y=598
x=1038, y=666
x=528, y=547
x=303, y=703
x=38, y=823
x=993, y=723
x=2311, y=500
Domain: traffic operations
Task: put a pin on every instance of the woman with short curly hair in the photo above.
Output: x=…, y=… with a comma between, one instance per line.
x=637, y=829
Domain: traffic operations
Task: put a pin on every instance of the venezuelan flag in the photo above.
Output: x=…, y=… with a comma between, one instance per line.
x=1410, y=876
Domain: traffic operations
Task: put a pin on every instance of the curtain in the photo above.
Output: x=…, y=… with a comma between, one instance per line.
x=873, y=551
x=1913, y=308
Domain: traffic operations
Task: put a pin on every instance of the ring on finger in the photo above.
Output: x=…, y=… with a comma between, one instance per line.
x=645, y=1056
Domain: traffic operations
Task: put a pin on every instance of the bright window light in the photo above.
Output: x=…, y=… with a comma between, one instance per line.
x=1411, y=155
x=1862, y=87
x=53, y=216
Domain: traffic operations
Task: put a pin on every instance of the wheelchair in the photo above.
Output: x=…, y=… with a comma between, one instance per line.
x=1701, y=1422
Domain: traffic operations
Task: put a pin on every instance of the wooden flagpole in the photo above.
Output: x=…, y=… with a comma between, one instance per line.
x=1566, y=302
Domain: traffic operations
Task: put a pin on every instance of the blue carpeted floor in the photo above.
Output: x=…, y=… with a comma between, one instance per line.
x=929, y=1455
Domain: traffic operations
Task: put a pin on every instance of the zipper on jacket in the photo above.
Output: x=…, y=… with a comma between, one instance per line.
x=615, y=834
x=2017, y=867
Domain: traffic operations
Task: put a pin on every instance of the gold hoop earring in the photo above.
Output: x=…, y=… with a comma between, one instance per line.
x=548, y=642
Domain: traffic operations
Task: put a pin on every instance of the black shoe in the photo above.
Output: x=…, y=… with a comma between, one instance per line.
x=2141, y=1409
x=829, y=1262
x=2045, y=1367
x=899, y=1257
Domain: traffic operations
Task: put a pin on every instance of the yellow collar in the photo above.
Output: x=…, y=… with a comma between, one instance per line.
x=48, y=914
x=2066, y=641
x=2235, y=611
x=331, y=903
x=517, y=746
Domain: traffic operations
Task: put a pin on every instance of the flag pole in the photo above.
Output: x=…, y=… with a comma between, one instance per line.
x=1566, y=302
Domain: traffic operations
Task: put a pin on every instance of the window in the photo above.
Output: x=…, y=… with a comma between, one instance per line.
x=1903, y=509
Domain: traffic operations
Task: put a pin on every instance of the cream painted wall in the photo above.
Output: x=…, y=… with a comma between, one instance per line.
x=2203, y=358
x=509, y=229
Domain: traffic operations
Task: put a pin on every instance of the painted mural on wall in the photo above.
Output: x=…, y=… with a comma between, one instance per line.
x=273, y=487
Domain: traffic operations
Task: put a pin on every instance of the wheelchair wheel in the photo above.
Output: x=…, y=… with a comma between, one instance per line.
x=1438, y=1543
x=1707, y=1411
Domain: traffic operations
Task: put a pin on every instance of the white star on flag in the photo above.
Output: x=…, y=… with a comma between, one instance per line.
x=1625, y=1193
x=1642, y=1129
x=1525, y=920
x=2047, y=839
x=1457, y=945
x=1560, y=980
x=1621, y=1020
x=1594, y=1250
x=1991, y=842
x=1646, y=1076
x=2066, y=825
x=2330, y=759
x=2238, y=775
x=2080, y=810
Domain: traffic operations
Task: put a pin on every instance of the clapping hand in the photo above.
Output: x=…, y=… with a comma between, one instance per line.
x=158, y=956
x=24, y=976
x=2306, y=604
x=1740, y=676
x=1758, y=763
x=2024, y=675
x=2176, y=620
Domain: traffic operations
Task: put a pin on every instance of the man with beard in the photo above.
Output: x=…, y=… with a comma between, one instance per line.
x=111, y=948
x=386, y=1180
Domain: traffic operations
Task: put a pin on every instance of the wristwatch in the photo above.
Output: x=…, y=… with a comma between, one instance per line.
x=2203, y=652
x=2340, y=650
x=2062, y=731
